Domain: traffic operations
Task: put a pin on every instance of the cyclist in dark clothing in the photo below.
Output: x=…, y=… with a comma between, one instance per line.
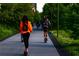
x=45, y=25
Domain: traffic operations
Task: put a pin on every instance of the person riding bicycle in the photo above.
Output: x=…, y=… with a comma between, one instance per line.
x=45, y=26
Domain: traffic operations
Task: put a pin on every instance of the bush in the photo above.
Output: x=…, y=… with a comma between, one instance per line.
x=68, y=43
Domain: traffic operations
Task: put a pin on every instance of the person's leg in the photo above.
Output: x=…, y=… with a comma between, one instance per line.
x=44, y=30
x=26, y=43
x=45, y=35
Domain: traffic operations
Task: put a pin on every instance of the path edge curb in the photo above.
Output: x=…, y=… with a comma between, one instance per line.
x=59, y=48
x=7, y=37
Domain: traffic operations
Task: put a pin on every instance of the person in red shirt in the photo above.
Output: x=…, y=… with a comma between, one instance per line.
x=25, y=30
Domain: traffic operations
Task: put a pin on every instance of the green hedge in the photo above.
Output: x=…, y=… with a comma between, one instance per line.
x=68, y=43
x=6, y=31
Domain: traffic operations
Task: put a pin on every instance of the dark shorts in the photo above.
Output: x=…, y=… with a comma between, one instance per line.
x=45, y=29
x=26, y=39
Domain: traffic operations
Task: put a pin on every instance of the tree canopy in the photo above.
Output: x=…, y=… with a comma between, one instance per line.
x=11, y=14
x=68, y=16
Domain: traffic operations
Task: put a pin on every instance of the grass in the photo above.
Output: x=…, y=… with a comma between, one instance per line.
x=68, y=43
x=6, y=31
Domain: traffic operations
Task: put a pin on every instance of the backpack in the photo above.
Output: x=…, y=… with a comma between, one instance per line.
x=25, y=27
x=45, y=24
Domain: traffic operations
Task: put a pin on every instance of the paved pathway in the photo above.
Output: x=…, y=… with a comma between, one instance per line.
x=13, y=47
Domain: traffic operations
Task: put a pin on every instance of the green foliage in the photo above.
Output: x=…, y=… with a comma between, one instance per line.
x=68, y=43
x=68, y=24
x=51, y=10
x=68, y=17
x=37, y=16
x=10, y=13
x=6, y=31
x=9, y=17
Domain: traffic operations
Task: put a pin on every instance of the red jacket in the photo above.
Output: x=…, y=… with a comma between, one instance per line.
x=29, y=27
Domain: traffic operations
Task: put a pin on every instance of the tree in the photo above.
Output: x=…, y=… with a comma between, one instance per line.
x=51, y=11
x=10, y=13
x=68, y=17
